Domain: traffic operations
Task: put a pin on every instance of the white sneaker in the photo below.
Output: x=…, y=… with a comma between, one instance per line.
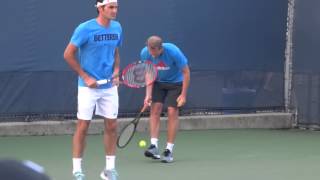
x=167, y=156
x=78, y=176
x=152, y=152
x=109, y=174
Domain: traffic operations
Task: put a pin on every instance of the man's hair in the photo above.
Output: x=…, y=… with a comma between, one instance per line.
x=100, y=1
x=154, y=42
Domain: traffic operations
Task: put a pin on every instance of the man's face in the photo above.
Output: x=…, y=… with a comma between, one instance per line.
x=109, y=11
x=154, y=51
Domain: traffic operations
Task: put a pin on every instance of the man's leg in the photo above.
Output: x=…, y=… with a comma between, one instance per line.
x=79, y=138
x=79, y=142
x=107, y=107
x=173, y=124
x=110, y=139
x=86, y=105
x=156, y=109
x=173, y=121
x=154, y=125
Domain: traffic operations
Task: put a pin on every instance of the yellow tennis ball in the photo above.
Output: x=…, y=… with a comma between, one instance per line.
x=142, y=143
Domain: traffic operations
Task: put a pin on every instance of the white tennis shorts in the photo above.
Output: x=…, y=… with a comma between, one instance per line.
x=105, y=102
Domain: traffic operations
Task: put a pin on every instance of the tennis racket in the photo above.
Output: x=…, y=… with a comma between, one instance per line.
x=127, y=132
x=136, y=75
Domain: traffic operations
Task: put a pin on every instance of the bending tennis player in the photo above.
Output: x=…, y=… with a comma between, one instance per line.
x=96, y=41
x=171, y=86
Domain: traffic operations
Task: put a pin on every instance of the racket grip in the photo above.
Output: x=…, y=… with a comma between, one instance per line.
x=103, y=81
x=144, y=108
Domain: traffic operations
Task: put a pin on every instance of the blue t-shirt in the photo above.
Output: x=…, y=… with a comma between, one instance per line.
x=96, y=48
x=169, y=64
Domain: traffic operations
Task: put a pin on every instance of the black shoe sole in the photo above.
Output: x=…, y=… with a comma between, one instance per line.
x=150, y=155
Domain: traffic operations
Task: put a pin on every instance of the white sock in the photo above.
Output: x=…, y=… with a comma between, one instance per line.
x=170, y=146
x=110, y=162
x=76, y=165
x=154, y=141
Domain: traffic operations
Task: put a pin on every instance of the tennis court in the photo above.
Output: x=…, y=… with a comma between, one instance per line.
x=254, y=62
x=207, y=154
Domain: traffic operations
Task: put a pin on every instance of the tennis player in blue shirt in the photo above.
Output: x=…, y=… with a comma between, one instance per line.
x=96, y=41
x=170, y=87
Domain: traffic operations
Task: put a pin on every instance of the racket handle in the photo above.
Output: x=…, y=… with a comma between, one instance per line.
x=144, y=108
x=103, y=81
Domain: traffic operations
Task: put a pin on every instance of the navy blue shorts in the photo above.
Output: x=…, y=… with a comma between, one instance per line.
x=166, y=92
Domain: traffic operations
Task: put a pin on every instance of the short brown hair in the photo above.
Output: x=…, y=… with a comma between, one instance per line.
x=154, y=42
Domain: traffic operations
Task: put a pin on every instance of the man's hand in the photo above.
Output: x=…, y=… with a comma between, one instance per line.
x=147, y=101
x=90, y=82
x=181, y=100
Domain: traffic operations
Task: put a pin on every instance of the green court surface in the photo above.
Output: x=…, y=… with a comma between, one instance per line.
x=211, y=154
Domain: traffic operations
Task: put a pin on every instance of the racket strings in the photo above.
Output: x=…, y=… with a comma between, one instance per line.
x=126, y=135
x=140, y=75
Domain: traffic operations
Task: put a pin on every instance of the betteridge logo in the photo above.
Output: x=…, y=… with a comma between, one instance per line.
x=162, y=66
